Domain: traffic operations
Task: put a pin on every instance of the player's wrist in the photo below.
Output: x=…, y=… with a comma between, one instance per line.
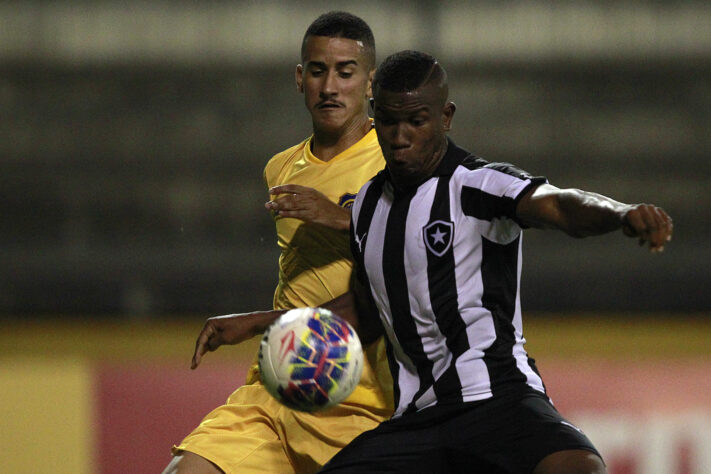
x=264, y=319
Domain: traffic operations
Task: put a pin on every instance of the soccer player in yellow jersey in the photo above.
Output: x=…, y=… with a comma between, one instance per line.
x=312, y=186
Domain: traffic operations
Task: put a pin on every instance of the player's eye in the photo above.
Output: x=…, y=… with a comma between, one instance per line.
x=345, y=74
x=418, y=121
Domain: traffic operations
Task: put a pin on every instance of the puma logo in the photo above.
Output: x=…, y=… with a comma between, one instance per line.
x=359, y=241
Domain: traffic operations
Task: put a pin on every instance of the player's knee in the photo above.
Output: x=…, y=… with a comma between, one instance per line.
x=187, y=462
x=574, y=461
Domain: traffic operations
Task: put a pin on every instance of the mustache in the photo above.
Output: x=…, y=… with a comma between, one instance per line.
x=329, y=102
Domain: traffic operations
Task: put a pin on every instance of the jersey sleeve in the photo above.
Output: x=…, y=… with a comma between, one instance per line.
x=271, y=171
x=494, y=190
x=264, y=178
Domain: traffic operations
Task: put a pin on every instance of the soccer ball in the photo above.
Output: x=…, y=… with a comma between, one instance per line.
x=310, y=359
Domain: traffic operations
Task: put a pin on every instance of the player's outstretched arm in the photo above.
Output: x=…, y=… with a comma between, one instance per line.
x=231, y=329
x=235, y=328
x=581, y=214
x=309, y=205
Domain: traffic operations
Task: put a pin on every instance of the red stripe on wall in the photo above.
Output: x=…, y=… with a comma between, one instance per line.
x=143, y=411
x=631, y=387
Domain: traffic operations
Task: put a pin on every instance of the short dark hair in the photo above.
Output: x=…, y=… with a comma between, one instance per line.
x=338, y=24
x=405, y=71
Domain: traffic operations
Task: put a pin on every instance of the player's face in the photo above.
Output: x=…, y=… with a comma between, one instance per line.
x=411, y=128
x=335, y=79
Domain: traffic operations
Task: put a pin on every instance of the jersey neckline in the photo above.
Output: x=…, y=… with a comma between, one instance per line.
x=354, y=149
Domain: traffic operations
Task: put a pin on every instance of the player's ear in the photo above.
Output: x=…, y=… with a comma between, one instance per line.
x=369, y=91
x=447, y=114
x=371, y=101
x=299, y=76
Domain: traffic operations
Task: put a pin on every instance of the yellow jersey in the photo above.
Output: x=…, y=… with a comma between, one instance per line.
x=316, y=262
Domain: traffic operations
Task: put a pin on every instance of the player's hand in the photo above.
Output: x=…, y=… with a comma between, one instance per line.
x=650, y=224
x=229, y=329
x=309, y=205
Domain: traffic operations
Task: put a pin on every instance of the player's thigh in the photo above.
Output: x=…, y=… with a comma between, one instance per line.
x=394, y=446
x=559, y=445
x=314, y=438
x=243, y=435
x=517, y=433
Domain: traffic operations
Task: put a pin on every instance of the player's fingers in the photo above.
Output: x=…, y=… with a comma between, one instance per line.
x=288, y=202
x=197, y=357
x=201, y=345
x=289, y=189
x=294, y=213
x=213, y=342
x=659, y=231
x=655, y=227
x=647, y=223
x=640, y=222
x=667, y=224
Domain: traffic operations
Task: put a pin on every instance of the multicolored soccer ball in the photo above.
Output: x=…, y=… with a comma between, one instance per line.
x=310, y=359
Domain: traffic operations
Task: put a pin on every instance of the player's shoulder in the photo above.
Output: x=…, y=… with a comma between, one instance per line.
x=288, y=154
x=283, y=160
x=473, y=163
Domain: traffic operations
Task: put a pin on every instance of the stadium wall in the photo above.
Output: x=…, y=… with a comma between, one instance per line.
x=85, y=397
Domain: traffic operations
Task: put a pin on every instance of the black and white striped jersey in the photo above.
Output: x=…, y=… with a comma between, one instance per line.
x=443, y=264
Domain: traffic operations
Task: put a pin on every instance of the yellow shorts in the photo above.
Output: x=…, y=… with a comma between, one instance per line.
x=252, y=432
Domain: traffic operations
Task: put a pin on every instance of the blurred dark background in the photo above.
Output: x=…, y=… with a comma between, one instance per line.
x=133, y=138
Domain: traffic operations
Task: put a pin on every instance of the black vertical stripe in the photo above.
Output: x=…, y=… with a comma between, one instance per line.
x=365, y=217
x=396, y=288
x=442, y=284
x=394, y=371
x=499, y=267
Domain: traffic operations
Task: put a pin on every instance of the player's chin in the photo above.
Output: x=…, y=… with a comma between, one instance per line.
x=330, y=122
x=405, y=179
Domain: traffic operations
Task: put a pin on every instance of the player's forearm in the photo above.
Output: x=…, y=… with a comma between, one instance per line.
x=261, y=320
x=584, y=213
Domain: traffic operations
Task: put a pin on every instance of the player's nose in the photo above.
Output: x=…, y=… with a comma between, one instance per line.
x=329, y=86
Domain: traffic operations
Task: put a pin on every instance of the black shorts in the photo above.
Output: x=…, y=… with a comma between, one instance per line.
x=509, y=434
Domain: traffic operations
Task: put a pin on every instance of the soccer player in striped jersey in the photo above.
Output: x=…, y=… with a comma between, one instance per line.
x=436, y=238
x=312, y=185
x=437, y=241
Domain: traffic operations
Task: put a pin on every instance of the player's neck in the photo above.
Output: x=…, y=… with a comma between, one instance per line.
x=328, y=144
